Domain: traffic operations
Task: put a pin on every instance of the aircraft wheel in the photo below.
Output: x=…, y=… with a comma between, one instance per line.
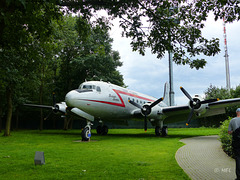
x=104, y=130
x=99, y=130
x=86, y=134
x=157, y=131
x=164, y=131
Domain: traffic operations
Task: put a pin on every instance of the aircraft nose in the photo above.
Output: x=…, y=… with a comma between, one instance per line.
x=70, y=98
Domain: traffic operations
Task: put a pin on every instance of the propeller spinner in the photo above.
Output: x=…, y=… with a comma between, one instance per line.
x=146, y=109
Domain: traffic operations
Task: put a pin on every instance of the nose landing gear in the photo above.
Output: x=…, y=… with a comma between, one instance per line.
x=86, y=132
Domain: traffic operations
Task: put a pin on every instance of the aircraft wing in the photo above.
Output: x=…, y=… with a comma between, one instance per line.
x=180, y=113
x=225, y=103
x=38, y=106
x=58, y=107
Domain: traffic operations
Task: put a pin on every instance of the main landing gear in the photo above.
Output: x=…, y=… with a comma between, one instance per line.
x=161, y=131
x=102, y=130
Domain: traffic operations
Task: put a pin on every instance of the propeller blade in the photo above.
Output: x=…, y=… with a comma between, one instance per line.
x=135, y=104
x=156, y=102
x=209, y=101
x=186, y=93
x=190, y=117
x=48, y=116
x=145, y=123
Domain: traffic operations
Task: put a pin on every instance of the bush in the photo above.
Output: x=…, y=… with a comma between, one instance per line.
x=225, y=138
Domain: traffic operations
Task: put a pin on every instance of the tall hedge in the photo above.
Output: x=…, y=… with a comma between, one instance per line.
x=225, y=138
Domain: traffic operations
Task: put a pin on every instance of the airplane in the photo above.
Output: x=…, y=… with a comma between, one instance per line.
x=103, y=101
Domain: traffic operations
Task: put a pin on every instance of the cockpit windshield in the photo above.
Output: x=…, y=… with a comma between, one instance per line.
x=89, y=87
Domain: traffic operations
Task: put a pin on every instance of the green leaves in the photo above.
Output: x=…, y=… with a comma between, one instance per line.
x=85, y=53
x=225, y=138
x=166, y=25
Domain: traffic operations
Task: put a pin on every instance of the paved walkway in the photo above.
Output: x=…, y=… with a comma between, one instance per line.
x=203, y=158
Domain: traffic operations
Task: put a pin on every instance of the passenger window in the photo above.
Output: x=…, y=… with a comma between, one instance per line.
x=98, y=89
x=137, y=101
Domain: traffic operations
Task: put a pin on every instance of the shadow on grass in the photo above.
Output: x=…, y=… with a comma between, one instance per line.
x=171, y=135
x=57, y=132
x=121, y=135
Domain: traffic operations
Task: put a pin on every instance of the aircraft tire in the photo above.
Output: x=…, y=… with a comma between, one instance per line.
x=164, y=131
x=99, y=130
x=157, y=131
x=104, y=130
x=86, y=134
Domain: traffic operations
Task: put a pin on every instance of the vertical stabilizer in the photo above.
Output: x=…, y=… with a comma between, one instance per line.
x=166, y=99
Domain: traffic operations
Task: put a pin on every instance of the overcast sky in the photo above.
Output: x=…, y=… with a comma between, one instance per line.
x=147, y=74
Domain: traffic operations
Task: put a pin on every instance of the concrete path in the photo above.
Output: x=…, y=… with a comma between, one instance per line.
x=203, y=158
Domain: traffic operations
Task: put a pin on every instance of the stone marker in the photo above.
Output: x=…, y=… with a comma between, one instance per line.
x=39, y=158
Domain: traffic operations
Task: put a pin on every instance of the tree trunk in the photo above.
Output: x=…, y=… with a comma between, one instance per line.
x=65, y=127
x=1, y=113
x=9, y=111
x=17, y=118
x=41, y=120
x=41, y=98
x=54, y=122
x=71, y=124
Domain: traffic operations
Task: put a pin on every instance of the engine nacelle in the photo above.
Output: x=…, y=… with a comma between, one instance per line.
x=196, y=104
x=156, y=113
x=60, y=107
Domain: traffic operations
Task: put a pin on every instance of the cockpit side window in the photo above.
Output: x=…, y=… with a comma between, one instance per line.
x=98, y=89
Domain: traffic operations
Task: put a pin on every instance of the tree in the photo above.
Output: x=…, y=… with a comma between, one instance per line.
x=86, y=56
x=154, y=24
x=22, y=24
x=214, y=92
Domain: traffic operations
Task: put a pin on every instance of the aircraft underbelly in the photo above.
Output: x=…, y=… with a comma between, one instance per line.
x=106, y=111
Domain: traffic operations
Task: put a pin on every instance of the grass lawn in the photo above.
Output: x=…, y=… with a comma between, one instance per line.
x=122, y=154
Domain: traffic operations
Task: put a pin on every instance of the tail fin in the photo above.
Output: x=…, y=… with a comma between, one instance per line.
x=166, y=99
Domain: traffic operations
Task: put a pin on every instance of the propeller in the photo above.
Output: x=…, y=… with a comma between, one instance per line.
x=145, y=109
x=55, y=108
x=195, y=103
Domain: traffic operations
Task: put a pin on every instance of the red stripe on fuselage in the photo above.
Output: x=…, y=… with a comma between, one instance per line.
x=132, y=95
x=118, y=92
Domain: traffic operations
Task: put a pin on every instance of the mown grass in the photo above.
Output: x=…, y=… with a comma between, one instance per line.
x=122, y=154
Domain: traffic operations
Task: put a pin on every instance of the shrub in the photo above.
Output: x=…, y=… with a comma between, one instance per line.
x=225, y=138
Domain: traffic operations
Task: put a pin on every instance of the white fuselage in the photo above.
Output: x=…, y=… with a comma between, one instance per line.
x=106, y=101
